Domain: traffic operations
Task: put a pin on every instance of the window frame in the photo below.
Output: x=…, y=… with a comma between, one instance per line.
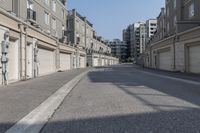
x=46, y=18
x=47, y=2
x=54, y=24
x=191, y=10
x=53, y=5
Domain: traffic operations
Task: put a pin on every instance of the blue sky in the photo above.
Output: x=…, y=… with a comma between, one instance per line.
x=110, y=17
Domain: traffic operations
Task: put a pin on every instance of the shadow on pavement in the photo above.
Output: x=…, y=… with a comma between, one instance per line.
x=179, y=121
x=127, y=78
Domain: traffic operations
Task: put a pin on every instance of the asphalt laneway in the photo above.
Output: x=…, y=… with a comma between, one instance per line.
x=124, y=99
x=18, y=99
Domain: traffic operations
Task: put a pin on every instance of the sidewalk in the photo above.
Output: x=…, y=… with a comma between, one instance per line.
x=18, y=99
x=187, y=76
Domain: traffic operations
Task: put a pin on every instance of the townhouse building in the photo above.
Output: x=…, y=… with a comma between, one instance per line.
x=136, y=37
x=95, y=52
x=33, y=38
x=161, y=31
x=176, y=45
x=139, y=40
x=119, y=49
x=76, y=28
x=151, y=27
x=126, y=37
x=103, y=52
x=33, y=29
x=143, y=33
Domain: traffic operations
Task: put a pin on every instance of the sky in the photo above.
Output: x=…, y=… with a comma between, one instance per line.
x=110, y=17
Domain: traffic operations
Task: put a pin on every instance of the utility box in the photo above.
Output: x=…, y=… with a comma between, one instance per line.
x=4, y=59
x=4, y=47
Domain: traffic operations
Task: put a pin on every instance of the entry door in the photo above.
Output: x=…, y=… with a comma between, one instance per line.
x=82, y=61
x=29, y=62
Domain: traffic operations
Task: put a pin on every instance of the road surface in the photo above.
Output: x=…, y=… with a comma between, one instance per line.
x=127, y=99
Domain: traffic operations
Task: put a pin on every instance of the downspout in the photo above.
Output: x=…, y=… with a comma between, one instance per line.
x=174, y=51
x=20, y=49
x=150, y=58
x=58, y=56
x=26, y=35
x=74, y=39
x=85, y=37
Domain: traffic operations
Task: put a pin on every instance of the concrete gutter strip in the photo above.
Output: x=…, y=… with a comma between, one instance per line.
x=35, y=120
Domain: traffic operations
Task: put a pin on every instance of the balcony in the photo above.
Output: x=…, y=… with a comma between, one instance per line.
x=31, y=15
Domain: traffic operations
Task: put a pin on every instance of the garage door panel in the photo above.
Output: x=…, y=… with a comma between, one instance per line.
x=194, y=59
x=46, y=61
x=65, y=60
x=13, y=69
x=165, y=60
x=82, y=61
x=95, y=62
x=103, y=62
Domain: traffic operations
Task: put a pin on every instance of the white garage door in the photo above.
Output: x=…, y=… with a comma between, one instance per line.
x=13, y=62
x=46, y=61
x=165, y=60
x=103, y=62
x=95, y=61
x=65, y=60
x=106, y=62
x=194, y=59
x=82, y=61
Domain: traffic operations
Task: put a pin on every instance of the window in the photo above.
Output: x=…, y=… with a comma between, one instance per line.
x=175, y=19
x=167, y=27
x=63, y=27
x=46, y=17
x=46, y=2
x=77, y=24
x=174, y=3
x=68, y=24
x=53, y=23
x=54, y=5
x=63, y=13
x=83, y=29
x=167, y=11
x=29, y=4
x=191, y=10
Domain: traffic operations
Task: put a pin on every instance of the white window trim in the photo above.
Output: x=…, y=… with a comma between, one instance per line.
x=47, y=2
x=63, y=13
x=54, y=5
x=168, y=27
x=175, y=20
x=29, y=4
x=191, y=10
x=175, y=4
x=53, y=25
x=46, y=18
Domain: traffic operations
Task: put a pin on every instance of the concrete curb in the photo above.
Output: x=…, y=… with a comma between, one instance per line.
x=36, y=119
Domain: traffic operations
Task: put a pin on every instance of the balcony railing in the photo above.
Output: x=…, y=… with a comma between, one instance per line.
x=31, y=15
